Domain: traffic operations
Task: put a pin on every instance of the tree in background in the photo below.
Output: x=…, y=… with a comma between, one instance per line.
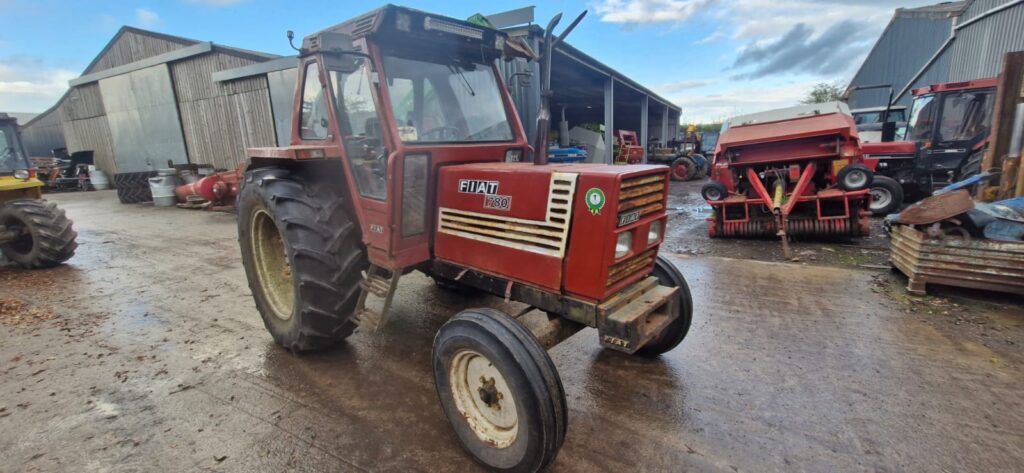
x=824, y=92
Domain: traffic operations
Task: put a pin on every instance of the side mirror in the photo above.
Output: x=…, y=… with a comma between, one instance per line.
x=888, y=131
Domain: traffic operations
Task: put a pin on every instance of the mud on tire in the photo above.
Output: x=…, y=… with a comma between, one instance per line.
x=49, y=238
x=307, y=292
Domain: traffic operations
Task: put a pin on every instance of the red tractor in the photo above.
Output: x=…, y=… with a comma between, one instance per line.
x=946, y=137
x=404, y=157
x=787, y=172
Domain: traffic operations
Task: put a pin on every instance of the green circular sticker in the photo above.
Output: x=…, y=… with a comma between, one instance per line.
x=595, y=200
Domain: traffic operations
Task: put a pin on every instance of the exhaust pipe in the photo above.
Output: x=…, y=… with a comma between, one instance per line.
x=540, y=143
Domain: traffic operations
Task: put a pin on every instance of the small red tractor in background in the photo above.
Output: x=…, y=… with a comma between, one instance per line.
x=788, y=172
x=406, y=155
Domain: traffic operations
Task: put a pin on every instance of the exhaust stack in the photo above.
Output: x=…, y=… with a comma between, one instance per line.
x=540, y=143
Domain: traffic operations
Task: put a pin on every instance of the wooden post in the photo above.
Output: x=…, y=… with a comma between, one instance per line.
x=1008, y=95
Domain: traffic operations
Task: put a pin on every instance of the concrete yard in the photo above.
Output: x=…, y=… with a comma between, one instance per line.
x=145, y=353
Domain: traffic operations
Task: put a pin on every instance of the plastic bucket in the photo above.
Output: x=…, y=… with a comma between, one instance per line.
x=98, y=179
x=163, y=186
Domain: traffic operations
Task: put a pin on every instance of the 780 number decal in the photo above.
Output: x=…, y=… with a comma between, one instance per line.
x=498, y=202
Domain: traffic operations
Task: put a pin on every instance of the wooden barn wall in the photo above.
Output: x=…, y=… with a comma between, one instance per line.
x=131, y=47
x=221, y=120
x=43, y=134
x=85, y=126
x=92, y=134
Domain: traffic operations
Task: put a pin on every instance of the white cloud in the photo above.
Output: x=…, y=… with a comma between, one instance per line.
x=741, y=99
x=648, y=11
x=28, y=85
x=711, y=38
x=682, y=85
x=216, y=3
x=147, y=18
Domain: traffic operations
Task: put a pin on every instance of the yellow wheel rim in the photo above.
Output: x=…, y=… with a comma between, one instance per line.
x=272, y=267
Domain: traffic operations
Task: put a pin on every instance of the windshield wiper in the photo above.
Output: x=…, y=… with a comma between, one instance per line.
x=458, y=70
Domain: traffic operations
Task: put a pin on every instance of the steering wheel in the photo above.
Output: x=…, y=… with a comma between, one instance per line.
x=440, y=131
x=6, y=154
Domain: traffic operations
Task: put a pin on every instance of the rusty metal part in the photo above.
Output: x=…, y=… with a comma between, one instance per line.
x=937, y=208
x=794, y=227
x=979, y=264
x=633, y=317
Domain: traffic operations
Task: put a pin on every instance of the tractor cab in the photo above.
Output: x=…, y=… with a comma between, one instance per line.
x=13, y=159
x=398, y=94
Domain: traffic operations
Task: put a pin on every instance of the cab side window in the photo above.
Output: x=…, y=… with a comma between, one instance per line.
x=313, y=118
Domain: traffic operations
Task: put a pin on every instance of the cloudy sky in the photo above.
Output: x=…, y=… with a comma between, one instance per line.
x=715, y=58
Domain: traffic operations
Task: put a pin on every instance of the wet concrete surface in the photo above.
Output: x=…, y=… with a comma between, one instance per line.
x=149, y=355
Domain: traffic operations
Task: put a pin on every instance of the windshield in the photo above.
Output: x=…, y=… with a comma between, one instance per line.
x=445, y=102
x=919, y=126
x=10, y=152
x=965, y=116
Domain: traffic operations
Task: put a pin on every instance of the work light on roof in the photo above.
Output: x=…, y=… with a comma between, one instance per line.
x=434, y=24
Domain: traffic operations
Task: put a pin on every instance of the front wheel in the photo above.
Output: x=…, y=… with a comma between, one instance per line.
x=500, y=391
x=886, y=196
x=668, y=275
x=37, y=234
x=302, y=256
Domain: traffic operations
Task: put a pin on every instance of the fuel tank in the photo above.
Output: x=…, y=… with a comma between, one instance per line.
x=553, y=226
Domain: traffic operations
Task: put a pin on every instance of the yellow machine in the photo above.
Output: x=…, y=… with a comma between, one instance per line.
x=34, y=233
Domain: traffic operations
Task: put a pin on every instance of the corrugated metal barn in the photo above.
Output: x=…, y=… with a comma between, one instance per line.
x=947, y=42
x=148, y=100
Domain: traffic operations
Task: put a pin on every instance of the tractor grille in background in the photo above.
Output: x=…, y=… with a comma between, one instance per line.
x=643, y=195
x=546, y=237
x=624, y=269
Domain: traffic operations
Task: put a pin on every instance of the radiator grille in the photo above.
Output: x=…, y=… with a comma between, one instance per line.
x=546, y=237
x=640, y=196
x=624, y=269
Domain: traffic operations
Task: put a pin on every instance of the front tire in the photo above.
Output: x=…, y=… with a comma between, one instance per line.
x=302, y=255
x=500, y=391
x=886, y=195
x=854, y=177
x=668, y=275
x=46, y=238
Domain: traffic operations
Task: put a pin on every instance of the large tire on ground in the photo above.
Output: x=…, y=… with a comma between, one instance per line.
x=669, y=275
x=302, y=255
x=46, y=238
x=702, y=164
x=886, y=195
x=854, y=177
x=500, y=391
x=133, y=187
x=682, y=169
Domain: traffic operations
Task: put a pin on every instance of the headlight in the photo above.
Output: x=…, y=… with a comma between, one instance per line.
x=623, y=244
x=21, y=174
x=654, y=233
x=513, y=155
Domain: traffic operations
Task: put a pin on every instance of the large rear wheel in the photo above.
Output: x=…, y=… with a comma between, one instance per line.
x=500, y=391
x=36, y=233
x=302, y=256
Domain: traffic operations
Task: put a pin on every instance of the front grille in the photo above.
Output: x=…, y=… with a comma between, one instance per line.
x=547, y=237
x=624, y=269
x=640, y=196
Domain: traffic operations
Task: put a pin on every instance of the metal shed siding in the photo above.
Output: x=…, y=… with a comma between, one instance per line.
x=221, y=119
x=43, y=133
x=130, y=47
x=980, y=46
x=85, y=126
x=900, y=53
